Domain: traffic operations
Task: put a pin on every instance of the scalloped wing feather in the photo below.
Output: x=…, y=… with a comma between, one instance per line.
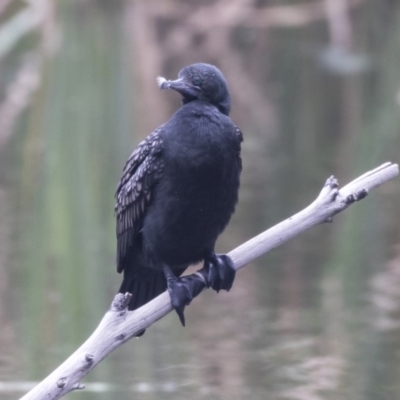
x=134, y=193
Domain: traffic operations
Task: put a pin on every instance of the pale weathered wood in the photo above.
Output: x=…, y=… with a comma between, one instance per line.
x=119, y=325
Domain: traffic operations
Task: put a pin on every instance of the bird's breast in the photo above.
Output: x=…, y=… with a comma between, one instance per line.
x=196, y=196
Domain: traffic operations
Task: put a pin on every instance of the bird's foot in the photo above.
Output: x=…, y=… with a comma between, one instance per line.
x=182, y=290
x=218, y=272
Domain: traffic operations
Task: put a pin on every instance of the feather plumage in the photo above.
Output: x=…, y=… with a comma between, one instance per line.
x=134, y=192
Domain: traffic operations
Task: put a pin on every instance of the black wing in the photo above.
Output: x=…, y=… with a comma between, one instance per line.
x=134, y=192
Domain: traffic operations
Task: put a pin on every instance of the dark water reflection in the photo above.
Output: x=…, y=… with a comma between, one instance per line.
x=316, y=319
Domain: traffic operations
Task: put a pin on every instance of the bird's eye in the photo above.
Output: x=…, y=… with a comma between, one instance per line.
x=196, y=81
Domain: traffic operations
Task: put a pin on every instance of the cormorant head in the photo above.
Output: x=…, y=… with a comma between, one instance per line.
x=201, y=82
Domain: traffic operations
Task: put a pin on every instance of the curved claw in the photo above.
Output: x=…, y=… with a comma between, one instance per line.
x=218, y=272
x=180, y=298
x=182, y=290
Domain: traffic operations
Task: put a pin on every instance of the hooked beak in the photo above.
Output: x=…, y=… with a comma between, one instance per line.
x=180, y=85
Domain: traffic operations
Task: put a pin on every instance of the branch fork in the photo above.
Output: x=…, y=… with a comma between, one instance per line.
x=330, y=194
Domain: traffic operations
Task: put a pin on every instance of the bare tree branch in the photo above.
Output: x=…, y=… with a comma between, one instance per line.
x=120, y=325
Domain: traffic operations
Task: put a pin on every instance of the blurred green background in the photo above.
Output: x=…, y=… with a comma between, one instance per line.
x=315, y=87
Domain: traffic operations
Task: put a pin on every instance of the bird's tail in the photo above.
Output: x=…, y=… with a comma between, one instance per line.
x=144, y=285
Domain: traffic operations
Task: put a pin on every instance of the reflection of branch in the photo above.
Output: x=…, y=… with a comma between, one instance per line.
x=247, y=92
x=120, y=325
x=385, y=296
x=38, y=15
x=318, y=374
x=147, y=60
x=239, y=13
x=18, y=95
x=18, y=26
x=339, y=23
x=8, y=330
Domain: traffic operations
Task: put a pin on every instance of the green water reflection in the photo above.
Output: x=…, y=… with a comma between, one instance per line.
x=316, y=319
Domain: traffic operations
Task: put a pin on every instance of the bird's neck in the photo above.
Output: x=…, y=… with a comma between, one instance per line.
x=223, y=107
